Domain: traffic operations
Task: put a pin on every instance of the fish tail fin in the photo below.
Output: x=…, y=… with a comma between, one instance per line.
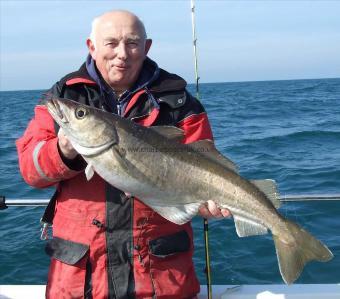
x=301, y=248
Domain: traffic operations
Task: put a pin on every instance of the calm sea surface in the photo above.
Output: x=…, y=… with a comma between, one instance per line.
x=285, y=130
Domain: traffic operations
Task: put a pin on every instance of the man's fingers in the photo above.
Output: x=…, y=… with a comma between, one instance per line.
x=65, y=146
x=210, y=210
x=204, y=212
x=213, y=209
x=225, y=213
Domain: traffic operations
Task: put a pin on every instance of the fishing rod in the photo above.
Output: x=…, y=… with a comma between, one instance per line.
x=205, y=221
x=194, y=38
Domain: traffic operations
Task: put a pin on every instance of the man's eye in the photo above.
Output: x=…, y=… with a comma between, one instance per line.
x=132, y=44
x=111, y=44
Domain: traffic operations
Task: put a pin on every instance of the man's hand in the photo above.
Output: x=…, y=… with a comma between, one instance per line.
x=65, y=146
x=210, y=210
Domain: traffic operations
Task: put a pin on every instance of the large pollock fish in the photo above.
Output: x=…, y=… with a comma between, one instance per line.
x=175, y=179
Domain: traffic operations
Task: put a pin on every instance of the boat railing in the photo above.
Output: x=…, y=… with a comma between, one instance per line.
x=23, y=202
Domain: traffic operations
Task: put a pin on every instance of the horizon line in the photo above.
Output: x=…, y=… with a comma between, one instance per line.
x=215, y=82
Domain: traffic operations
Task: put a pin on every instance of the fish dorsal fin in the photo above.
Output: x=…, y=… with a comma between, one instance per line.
x=178, y=214
x=170, y=132
x=268, y=187
x=207, y=148
x=245, y=227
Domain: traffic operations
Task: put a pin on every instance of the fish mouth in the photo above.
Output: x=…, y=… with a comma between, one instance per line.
x=88, y=151
x=57, y=111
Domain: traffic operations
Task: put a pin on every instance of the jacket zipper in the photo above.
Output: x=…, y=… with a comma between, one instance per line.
x=118, y=108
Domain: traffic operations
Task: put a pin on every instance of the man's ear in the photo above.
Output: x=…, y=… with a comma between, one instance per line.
x=148, y=43
x=91, y=47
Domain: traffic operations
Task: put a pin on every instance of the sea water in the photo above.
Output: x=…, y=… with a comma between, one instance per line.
x=288, y=131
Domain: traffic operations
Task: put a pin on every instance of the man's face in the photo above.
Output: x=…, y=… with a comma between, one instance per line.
x=119, y=51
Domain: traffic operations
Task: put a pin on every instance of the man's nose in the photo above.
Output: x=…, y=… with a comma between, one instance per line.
x=122, y=51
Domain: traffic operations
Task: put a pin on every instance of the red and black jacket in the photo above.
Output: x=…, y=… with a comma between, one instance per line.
x=106, y=244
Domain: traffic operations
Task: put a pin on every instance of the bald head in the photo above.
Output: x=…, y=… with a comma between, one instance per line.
x=116, y=17
x=119, y=46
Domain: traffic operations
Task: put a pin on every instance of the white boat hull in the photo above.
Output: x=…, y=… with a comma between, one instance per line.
x=296, y=291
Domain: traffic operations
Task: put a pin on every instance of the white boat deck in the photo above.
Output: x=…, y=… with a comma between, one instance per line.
x=278, y=291
x=296, y=291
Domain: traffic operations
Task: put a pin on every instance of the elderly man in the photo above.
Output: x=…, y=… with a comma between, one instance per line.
x=107, y=244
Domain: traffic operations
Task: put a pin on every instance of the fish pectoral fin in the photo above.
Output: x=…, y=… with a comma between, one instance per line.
x=170, y=132
x=207, y=147
x=178, y=214
x=245, y=227
x=268, y=187
x=89, y=171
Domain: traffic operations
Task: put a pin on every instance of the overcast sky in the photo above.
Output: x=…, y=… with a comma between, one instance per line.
x=41, y=41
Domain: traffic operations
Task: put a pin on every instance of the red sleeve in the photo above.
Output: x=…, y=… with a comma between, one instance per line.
x=39, y=160
x=196, y=127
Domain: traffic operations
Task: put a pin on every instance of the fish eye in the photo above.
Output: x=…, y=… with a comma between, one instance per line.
x=80, y=112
